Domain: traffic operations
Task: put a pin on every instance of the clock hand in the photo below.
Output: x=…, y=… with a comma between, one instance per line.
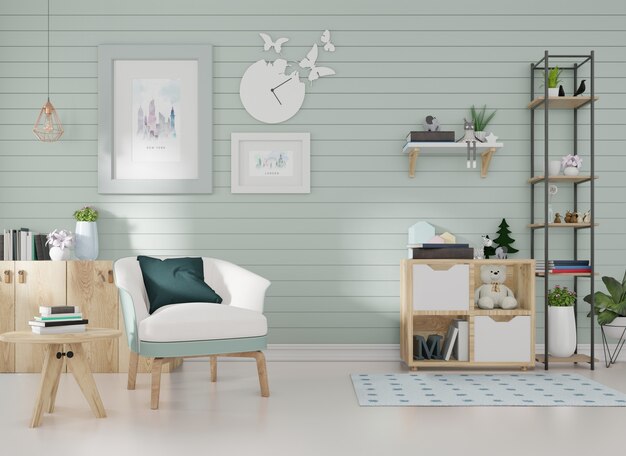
x=284, y=82
x=274, y=93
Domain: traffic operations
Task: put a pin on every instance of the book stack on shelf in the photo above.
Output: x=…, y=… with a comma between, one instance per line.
x=23, y=245
x=565, y=267
x=58, y=320
x=440, y=251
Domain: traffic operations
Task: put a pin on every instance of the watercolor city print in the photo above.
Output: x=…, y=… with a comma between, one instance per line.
x=156, y=120
x=268, y=163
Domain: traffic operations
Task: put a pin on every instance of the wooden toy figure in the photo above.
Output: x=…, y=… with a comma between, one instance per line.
x=557, y=218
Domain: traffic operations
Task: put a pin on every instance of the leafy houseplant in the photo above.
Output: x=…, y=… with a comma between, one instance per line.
x=86, y=214
x=480, y=117
x=554, y=77
x=571, y=160
x=561, y=297
x=610, y=306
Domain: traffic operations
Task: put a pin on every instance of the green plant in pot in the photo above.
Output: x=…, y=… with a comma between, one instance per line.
x=561, y=322
x=86, y=233
x=610, y=308
x=554, y=78
x=481, y=119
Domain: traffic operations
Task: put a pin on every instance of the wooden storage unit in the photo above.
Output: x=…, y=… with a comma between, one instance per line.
x=498, y=327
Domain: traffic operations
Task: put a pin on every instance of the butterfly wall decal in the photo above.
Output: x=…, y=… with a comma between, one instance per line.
x=268, y=43
x=309, y=62
x=328, y=46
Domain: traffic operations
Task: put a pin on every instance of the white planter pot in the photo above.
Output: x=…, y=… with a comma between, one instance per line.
x=86, y=240
x=561, y=331
x=480, y=135
x=615, y=329
x=59, y=254
x=554, y=167
x=553, y=91
x=571, y=171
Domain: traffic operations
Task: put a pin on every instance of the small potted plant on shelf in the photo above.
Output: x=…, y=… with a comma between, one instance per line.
x=86, y=233
x=554, y=78
x=60, y=242
x=611, y=308
x=571, y=164
x=561, y=322
x=480, y=119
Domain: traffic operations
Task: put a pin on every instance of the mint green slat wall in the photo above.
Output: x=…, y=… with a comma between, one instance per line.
x=332, y=255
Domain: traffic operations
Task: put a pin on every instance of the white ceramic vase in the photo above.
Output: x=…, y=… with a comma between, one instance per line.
x=615, y=329
x=553, y=92
x=86, y=240
x=480, y=135
x=59, y=254
x=561, y=331
x=571, y=171
x=554, y=167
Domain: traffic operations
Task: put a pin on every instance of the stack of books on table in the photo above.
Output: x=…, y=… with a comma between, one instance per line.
x=571, y=267
x=58, y=320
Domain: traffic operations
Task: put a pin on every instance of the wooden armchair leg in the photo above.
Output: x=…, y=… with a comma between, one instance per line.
x=133, y=363
x=213, y=359
x=157, y=364
x=261, y=368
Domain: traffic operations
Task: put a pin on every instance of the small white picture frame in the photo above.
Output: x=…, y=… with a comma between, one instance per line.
x=270, y=162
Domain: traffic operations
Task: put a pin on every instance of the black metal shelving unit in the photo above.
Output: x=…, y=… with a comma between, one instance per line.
x=574, y=104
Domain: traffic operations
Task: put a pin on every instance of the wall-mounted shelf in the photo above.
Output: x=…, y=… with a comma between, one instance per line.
x=573, y=179
x=414, y=149
x=561, y=225
x=560, y=102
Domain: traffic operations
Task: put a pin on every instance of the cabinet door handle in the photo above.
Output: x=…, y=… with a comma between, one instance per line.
x=110, y=276
x=7, y=276
x=21, y=276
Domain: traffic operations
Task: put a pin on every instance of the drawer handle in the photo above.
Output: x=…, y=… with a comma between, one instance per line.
x=21, y=276
x=7, y=276
x=110, y=276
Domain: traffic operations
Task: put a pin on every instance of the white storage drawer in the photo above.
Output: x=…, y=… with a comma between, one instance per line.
x=441, y=289
x=502, y=341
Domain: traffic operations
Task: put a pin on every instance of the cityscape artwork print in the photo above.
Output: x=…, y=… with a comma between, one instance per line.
x=156, y=120
x=271, y=163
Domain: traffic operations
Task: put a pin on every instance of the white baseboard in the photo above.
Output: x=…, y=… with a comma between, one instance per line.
x=364, y=352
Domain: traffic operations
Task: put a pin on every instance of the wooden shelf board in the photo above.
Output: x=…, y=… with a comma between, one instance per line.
x=442, y=313
x=574, y=179
x=565, y=274
x=560, y=102
x=452, y=148
x=561, y=225
x=577, y=358
x=502, y=312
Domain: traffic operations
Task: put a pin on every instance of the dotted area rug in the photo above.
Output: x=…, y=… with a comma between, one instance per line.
x=483, y=390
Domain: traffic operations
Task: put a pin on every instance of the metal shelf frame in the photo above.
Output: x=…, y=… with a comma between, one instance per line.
x=543, y=65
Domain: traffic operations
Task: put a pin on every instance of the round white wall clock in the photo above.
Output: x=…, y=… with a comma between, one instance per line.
x=269, y=94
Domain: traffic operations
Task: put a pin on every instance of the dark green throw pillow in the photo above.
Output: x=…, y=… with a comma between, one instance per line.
x=175, y=280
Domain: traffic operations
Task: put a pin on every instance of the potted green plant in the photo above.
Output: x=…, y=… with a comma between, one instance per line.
x=561, y=322
x=60, y=242
x=480, y=119
x=611, y=308
x=554, y=78
x=86, y=233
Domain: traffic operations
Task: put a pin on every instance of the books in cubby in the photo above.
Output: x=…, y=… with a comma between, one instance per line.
x=23, y=245
x=58, y=320
x=565, y=266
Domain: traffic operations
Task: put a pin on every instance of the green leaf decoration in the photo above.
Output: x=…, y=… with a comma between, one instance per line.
x=614, y=288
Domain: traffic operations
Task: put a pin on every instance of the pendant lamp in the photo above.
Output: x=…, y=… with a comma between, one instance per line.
x=48, y=126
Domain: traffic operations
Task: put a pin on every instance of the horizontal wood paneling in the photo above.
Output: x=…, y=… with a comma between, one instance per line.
x=333, y=255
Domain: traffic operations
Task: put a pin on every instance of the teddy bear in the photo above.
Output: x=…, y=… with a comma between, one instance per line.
x=493, y=292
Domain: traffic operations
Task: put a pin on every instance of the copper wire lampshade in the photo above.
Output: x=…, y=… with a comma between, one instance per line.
x=48, y=126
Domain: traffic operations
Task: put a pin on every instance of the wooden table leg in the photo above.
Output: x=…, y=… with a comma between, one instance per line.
x=49, y=377
x=80, y=369
x=213, y=359
x=53, y=394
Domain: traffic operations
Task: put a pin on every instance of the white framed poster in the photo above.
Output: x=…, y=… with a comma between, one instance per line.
x=155, y=119
x=270, y=162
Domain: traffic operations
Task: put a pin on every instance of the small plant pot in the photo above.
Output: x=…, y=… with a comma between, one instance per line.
x=481, y=135
x=86, y=240
x=553, y=92
x=59, y=254
x=571, y=171
x=554, y=167
x=615, y=329
x=561, y=331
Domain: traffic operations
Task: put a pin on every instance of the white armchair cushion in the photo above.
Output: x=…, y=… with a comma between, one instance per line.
x=201, y=321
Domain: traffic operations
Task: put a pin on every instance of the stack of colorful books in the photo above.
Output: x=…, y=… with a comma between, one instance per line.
x=565, y=267
x=58, y=320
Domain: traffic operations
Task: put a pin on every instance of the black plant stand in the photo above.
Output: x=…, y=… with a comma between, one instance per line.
x=608, y=357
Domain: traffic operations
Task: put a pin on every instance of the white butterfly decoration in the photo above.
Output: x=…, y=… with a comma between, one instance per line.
x=309, y=62
x=268, y=43
x=328, y=46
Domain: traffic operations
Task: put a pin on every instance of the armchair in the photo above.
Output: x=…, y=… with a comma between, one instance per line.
x=236, y=327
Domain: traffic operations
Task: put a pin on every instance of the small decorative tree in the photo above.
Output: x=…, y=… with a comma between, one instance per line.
x=503, y=239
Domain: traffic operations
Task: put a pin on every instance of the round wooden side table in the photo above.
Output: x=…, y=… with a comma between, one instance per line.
x=59, y=346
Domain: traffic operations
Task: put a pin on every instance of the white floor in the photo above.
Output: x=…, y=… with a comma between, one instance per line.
x=312, y=411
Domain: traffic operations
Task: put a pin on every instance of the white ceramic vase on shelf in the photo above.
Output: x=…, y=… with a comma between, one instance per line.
x=615, y=329
x=561, y=331
x=480, y=135
x=554, y=167
x=59, y=254
x=86, y=240
x=571, y=171
x=553, y=92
